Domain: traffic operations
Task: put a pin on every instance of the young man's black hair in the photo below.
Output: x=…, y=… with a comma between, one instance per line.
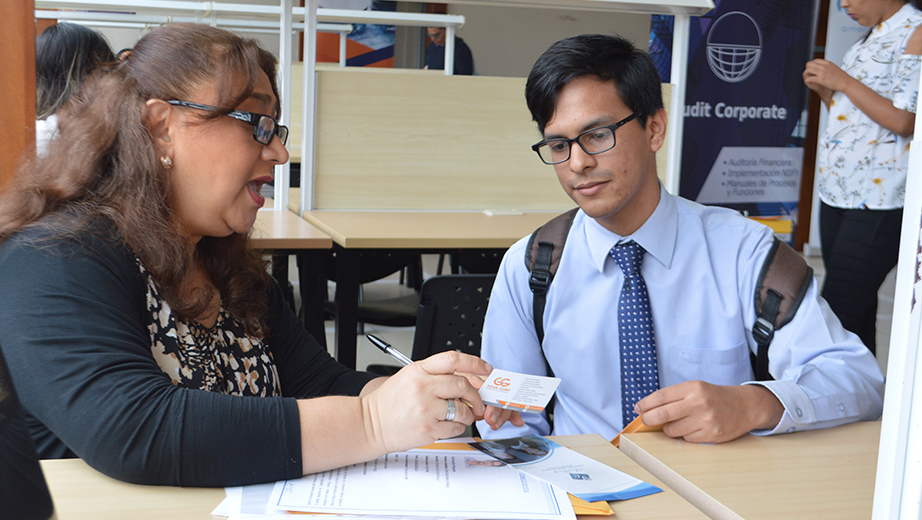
x=610, y=58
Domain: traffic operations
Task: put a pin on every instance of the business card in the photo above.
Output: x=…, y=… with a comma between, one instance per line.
x=520, y=392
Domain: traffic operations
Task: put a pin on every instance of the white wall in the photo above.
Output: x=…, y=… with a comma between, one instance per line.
x=506, y=41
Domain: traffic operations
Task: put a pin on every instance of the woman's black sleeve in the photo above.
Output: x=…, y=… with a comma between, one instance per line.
x=304, y=367
x=72, y=328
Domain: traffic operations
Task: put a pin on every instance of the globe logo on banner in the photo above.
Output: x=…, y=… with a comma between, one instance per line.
x=734, y=46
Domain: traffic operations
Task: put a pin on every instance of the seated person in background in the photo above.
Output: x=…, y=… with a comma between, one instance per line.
x=598, y=104
x=435, y=53
x=141, y=331
x=65, y=55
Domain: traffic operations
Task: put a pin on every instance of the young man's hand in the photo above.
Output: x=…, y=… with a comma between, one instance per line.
x=702, y=412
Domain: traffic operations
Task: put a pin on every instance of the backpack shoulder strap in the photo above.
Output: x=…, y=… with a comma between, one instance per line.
x=542, y=256
x=780, y=289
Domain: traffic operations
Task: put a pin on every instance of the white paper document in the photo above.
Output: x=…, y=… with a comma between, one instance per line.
x=425, y=482
x=573, y=472
x=520, y=392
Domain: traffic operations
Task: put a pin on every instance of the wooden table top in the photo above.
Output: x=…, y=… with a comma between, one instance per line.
x=282, y=229
x=82, y=493
x=426, y=229
x=805, y=475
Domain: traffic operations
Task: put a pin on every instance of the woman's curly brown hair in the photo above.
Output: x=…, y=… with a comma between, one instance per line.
x=104, y=163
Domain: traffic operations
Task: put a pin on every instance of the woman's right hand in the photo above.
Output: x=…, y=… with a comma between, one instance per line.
x=825, y=78
x=409, y=409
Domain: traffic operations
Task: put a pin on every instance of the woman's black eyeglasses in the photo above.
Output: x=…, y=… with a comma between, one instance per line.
x=264, y=127
x=593, y=141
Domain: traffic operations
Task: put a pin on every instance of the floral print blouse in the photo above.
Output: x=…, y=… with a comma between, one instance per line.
x=221, y=358
x=861, y=164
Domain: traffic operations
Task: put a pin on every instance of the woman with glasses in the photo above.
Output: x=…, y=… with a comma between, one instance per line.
x=141, y=331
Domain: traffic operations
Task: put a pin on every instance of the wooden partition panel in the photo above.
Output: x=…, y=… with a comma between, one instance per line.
x=17, y=83
x=428, y=142
x=297, y=86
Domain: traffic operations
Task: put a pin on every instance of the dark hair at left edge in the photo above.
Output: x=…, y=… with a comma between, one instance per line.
x=65, y=55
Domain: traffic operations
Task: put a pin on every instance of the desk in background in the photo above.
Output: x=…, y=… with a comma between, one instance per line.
x=805, y=475
x=82, y=493
x=282, y=232
x=420, y=231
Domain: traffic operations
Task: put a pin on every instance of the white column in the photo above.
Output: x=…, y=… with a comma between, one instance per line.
x=309, y=115
x=283, y=172
x=678, y=76
x=449, y=50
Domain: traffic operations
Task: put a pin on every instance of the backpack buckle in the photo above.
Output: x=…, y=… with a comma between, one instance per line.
x=763, y=331
x=539, y=280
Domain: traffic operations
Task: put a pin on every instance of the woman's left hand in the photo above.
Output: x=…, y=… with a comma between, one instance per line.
x=494, y=416
x=824, y=75
x=497, y=417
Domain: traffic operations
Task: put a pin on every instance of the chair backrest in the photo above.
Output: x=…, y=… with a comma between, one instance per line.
x=476, y=262
x=23, y=491
x=451, y=313
x=374, y=265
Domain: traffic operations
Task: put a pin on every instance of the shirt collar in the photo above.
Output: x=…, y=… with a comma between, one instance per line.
x=897, y=20
x=657, y=235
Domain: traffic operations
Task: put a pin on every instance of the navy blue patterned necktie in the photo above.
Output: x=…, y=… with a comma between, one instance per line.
x=639, y=376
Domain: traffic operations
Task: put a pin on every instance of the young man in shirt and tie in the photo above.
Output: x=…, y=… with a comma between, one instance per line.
x=652, y=306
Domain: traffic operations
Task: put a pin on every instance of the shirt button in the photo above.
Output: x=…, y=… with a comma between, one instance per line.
x=841, y=407
x=800, y=413
x=791, y=429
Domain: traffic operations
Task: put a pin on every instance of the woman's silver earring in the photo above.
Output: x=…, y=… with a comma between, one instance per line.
x=166, y=161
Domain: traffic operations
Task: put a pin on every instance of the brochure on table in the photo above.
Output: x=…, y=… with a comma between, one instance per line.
x=562, y=467
x=425, y=483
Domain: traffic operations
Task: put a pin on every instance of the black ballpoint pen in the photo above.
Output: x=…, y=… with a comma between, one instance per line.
x=388, y=349
x=396, y=354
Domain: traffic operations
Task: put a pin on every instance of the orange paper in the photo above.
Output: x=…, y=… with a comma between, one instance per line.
x=581, y=507
x=636, y=426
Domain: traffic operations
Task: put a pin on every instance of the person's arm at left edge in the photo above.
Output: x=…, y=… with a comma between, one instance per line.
x=824, y=377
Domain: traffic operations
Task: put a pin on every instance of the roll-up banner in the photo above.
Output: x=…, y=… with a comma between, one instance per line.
x=745, y=112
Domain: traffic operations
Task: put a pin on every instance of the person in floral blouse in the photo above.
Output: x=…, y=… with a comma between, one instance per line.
x=863, y=155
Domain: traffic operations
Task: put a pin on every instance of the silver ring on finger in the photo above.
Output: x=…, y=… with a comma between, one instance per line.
x=450, y=416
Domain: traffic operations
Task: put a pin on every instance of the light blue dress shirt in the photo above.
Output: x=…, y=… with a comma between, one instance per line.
x=701, y=269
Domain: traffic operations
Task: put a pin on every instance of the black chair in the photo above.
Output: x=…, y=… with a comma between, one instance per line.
x=472, y=261
x=23, y=490
x=450, y=317
x=397, y=311
x=476, y=262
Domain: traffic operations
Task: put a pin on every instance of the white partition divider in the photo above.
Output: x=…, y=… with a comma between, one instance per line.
x=308, y=109
x=676, y=124
x=283, y=172
x=898, y=489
